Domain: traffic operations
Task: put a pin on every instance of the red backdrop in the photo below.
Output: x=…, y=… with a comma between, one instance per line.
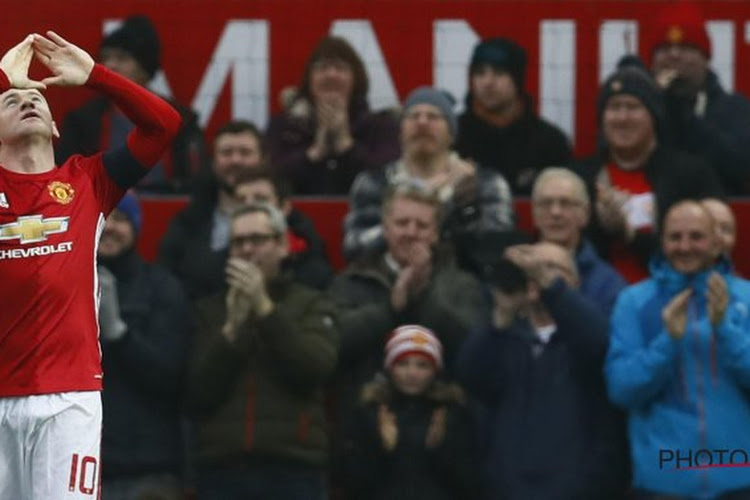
x=191, y=32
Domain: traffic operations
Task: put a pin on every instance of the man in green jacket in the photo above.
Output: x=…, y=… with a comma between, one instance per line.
x=264, y=349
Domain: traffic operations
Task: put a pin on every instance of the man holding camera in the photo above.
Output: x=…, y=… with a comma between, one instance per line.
x=542, y=356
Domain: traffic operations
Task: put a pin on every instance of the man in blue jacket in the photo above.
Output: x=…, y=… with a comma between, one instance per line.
x=679, y=363
x=549, y=432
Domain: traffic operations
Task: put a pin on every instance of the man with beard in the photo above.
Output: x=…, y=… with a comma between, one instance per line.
x=144, y=335
x=196, y=244
x=704, y=119
x=472, y=199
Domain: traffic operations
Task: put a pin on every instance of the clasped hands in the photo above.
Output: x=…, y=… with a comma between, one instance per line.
x=247, y=295
x=675, y=314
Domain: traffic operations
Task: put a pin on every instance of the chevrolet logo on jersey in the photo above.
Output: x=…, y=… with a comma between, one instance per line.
x=33, y=228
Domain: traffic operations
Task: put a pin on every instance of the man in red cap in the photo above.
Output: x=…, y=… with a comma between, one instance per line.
x=703, y=118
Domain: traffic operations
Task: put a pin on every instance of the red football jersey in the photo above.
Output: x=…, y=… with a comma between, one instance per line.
x=50, y=225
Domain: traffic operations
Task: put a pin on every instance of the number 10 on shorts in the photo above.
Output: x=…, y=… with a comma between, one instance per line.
x=83, y=472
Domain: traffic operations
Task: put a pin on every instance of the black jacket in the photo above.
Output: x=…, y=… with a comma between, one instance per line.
x=721, y=136
x=551, y=433
x=518, y=152
x=143, y=372
x=412, y=471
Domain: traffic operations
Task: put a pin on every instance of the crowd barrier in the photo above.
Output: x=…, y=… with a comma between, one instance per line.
x=328, y=215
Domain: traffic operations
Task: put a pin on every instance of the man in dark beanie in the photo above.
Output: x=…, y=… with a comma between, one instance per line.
x=133, y=50
x=144, y=336
x=634, y=177
x=702, y=117
x=499, y=129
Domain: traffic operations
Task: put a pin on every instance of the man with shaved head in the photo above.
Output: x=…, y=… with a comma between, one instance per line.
x=538, y=370
x=679, y=363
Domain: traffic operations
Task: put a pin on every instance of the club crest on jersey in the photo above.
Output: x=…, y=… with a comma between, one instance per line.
x=4, y=201
x=62, y=192
x=33, y=228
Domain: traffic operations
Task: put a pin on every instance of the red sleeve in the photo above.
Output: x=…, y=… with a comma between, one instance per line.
x=156, y=122
x=4, y=82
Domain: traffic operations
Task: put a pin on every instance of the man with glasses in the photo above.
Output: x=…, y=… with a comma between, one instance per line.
x=560, y=210
x=473, y=199
x=263, y=351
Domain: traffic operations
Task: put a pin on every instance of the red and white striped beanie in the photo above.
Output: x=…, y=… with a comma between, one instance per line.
x=413, y=339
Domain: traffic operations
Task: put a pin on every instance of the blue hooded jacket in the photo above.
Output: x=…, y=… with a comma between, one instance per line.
x=687, y=395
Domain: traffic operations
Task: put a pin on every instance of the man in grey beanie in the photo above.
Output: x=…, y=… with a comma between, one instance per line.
x=474, y=200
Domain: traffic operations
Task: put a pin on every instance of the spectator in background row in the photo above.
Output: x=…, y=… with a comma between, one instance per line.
x=196, y=243
x=307, y=255
x=560, y=208
x=474, y=199
x=411, y=437
x=551, y=433
x=703, y=118
x=634, y=177
x=144, y=333
x=133, y=50
x=678, y=363
x=328, y=134
x=499, y=129
x=263, y=351
x=725, y=223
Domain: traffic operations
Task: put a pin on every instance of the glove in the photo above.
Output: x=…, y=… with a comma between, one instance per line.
x=111, y=325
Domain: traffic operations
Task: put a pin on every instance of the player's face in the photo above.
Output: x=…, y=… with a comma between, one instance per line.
x=493, y=89
x=689, y=239
x=234, y=153
x=627, y=123
x=254, y=240
x=25, y=113
x=409, y=223
x=425, y=131
x=412, y=374
x=118, y=235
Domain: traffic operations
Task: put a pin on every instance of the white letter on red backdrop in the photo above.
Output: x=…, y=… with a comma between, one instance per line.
x=243, y=51
x=557, y=63
x=453, y=41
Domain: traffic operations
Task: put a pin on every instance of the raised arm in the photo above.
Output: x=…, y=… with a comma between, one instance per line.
x=156, y=122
